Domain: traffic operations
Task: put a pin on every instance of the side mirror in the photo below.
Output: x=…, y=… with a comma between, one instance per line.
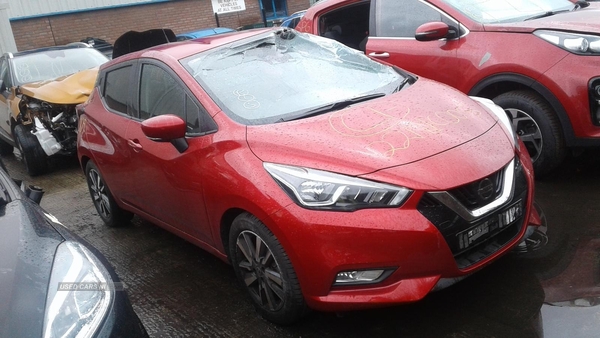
x=432, y=31
x=166, y=128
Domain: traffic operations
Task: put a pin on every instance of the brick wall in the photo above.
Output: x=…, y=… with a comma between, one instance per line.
x=108, y=24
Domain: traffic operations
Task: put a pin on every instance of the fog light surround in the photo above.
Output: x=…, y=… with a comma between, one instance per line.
x=358, y=277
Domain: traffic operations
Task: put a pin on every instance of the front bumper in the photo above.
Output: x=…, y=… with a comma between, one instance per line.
x=402, y=240
x=570, y=80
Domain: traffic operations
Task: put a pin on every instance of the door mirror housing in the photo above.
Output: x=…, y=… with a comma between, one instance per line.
x=166, y=128
x=432, y=31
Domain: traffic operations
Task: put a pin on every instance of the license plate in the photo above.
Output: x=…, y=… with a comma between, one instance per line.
x=493, y=224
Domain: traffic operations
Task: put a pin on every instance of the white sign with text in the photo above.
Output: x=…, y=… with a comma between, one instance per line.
x=228, y=6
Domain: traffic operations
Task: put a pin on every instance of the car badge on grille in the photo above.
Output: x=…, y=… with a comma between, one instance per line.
x=485, y=189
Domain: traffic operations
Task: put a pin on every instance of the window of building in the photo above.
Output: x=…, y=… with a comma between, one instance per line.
x=273, y=9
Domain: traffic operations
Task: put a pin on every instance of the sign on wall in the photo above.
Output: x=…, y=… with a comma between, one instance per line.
x=228, y=6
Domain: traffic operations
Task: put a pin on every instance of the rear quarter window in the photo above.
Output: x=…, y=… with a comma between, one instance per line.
x=116, y=89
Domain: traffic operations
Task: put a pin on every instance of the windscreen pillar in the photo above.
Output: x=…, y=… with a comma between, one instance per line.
x=7, y=39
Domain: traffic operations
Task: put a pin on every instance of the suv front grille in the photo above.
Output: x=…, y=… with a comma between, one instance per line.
x=475, y=239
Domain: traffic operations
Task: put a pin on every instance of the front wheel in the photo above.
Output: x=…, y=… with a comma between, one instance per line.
x=105, y=204
x=538, y=127
x=32, y=154
x=265, y=271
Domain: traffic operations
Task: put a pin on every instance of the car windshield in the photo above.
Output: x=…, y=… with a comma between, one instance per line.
x=51, y=64
x=283, y=75
x=496, y=11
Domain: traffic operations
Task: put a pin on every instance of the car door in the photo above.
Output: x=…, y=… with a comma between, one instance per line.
x=168, y=184
x=105, y=125
x=5, y=97
x=392, y=39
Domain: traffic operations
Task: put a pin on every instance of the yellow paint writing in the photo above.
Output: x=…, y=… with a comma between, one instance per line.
x=392, y=133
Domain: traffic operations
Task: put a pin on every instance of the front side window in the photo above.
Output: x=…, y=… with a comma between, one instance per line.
x=161, y=93
x=5, y=74
x=496, y=11
x=282, y=75
x=116, y=89
x=402, y=18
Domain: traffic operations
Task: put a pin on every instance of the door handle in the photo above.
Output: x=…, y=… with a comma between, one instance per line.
x=135, y=145
x=380, y=55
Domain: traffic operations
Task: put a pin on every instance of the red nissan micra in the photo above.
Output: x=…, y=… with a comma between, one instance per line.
x=328, y=180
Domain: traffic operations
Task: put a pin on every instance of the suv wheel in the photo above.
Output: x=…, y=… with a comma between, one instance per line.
x=265, y=271
x=538, y=127
x=32, y=154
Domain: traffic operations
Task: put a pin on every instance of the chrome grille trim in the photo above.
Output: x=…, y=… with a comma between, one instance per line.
x=470, y=215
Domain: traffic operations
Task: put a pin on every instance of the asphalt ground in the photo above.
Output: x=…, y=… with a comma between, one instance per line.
x=178, y=290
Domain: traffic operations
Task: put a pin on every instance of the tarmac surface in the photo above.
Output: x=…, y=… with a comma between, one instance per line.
x=178, y=290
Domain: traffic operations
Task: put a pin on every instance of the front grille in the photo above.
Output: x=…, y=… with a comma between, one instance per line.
x=480, y=193
x=474, y=240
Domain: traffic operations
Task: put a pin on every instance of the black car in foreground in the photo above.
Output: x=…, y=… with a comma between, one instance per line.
x=52, y=283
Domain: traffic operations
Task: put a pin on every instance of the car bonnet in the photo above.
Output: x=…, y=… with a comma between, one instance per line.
x=426, y=119
x=71, y=89
x=583, y=20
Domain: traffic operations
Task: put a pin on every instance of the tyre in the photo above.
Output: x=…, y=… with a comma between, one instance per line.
x=538, y=127
x=32, y=154
x=109, y=211
x=264, y=270
x=5, y=148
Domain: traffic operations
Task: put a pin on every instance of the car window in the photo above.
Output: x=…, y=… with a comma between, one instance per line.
x=161, y=93
x=51, y=64
x=279, y=75
x=116, y=89
x=402, y=18
x=5, y=74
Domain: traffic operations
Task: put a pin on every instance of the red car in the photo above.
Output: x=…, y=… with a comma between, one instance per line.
x=538, y=59
x=328, y=180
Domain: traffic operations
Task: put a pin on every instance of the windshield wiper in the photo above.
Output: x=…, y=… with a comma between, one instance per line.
x=335, y=106
x=546, y=14
x=402, y=84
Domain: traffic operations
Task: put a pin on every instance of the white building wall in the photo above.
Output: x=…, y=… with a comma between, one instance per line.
x=32, y=8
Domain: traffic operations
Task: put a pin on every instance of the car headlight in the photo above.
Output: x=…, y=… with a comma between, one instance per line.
x=316, y=189
x=79, y=293
x=502, y=117
x=576, y=43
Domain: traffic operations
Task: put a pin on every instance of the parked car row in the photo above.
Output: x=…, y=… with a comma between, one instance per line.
x=327, y=179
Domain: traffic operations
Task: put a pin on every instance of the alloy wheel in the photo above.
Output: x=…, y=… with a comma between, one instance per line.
x=528, y=130
x=261, y=273
x=99, y=194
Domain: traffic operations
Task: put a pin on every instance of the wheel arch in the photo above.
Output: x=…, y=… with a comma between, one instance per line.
x=225, y=227
x=497, y=84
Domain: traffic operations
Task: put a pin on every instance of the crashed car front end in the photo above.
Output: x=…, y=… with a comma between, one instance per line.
x=47, y=109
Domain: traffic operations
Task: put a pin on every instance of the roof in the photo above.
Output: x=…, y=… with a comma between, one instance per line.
x=183, y=49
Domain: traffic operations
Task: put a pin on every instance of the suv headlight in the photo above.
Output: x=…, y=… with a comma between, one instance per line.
x=502, y=117
x=316, y=189
x=79, y=293
x=582, y=44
